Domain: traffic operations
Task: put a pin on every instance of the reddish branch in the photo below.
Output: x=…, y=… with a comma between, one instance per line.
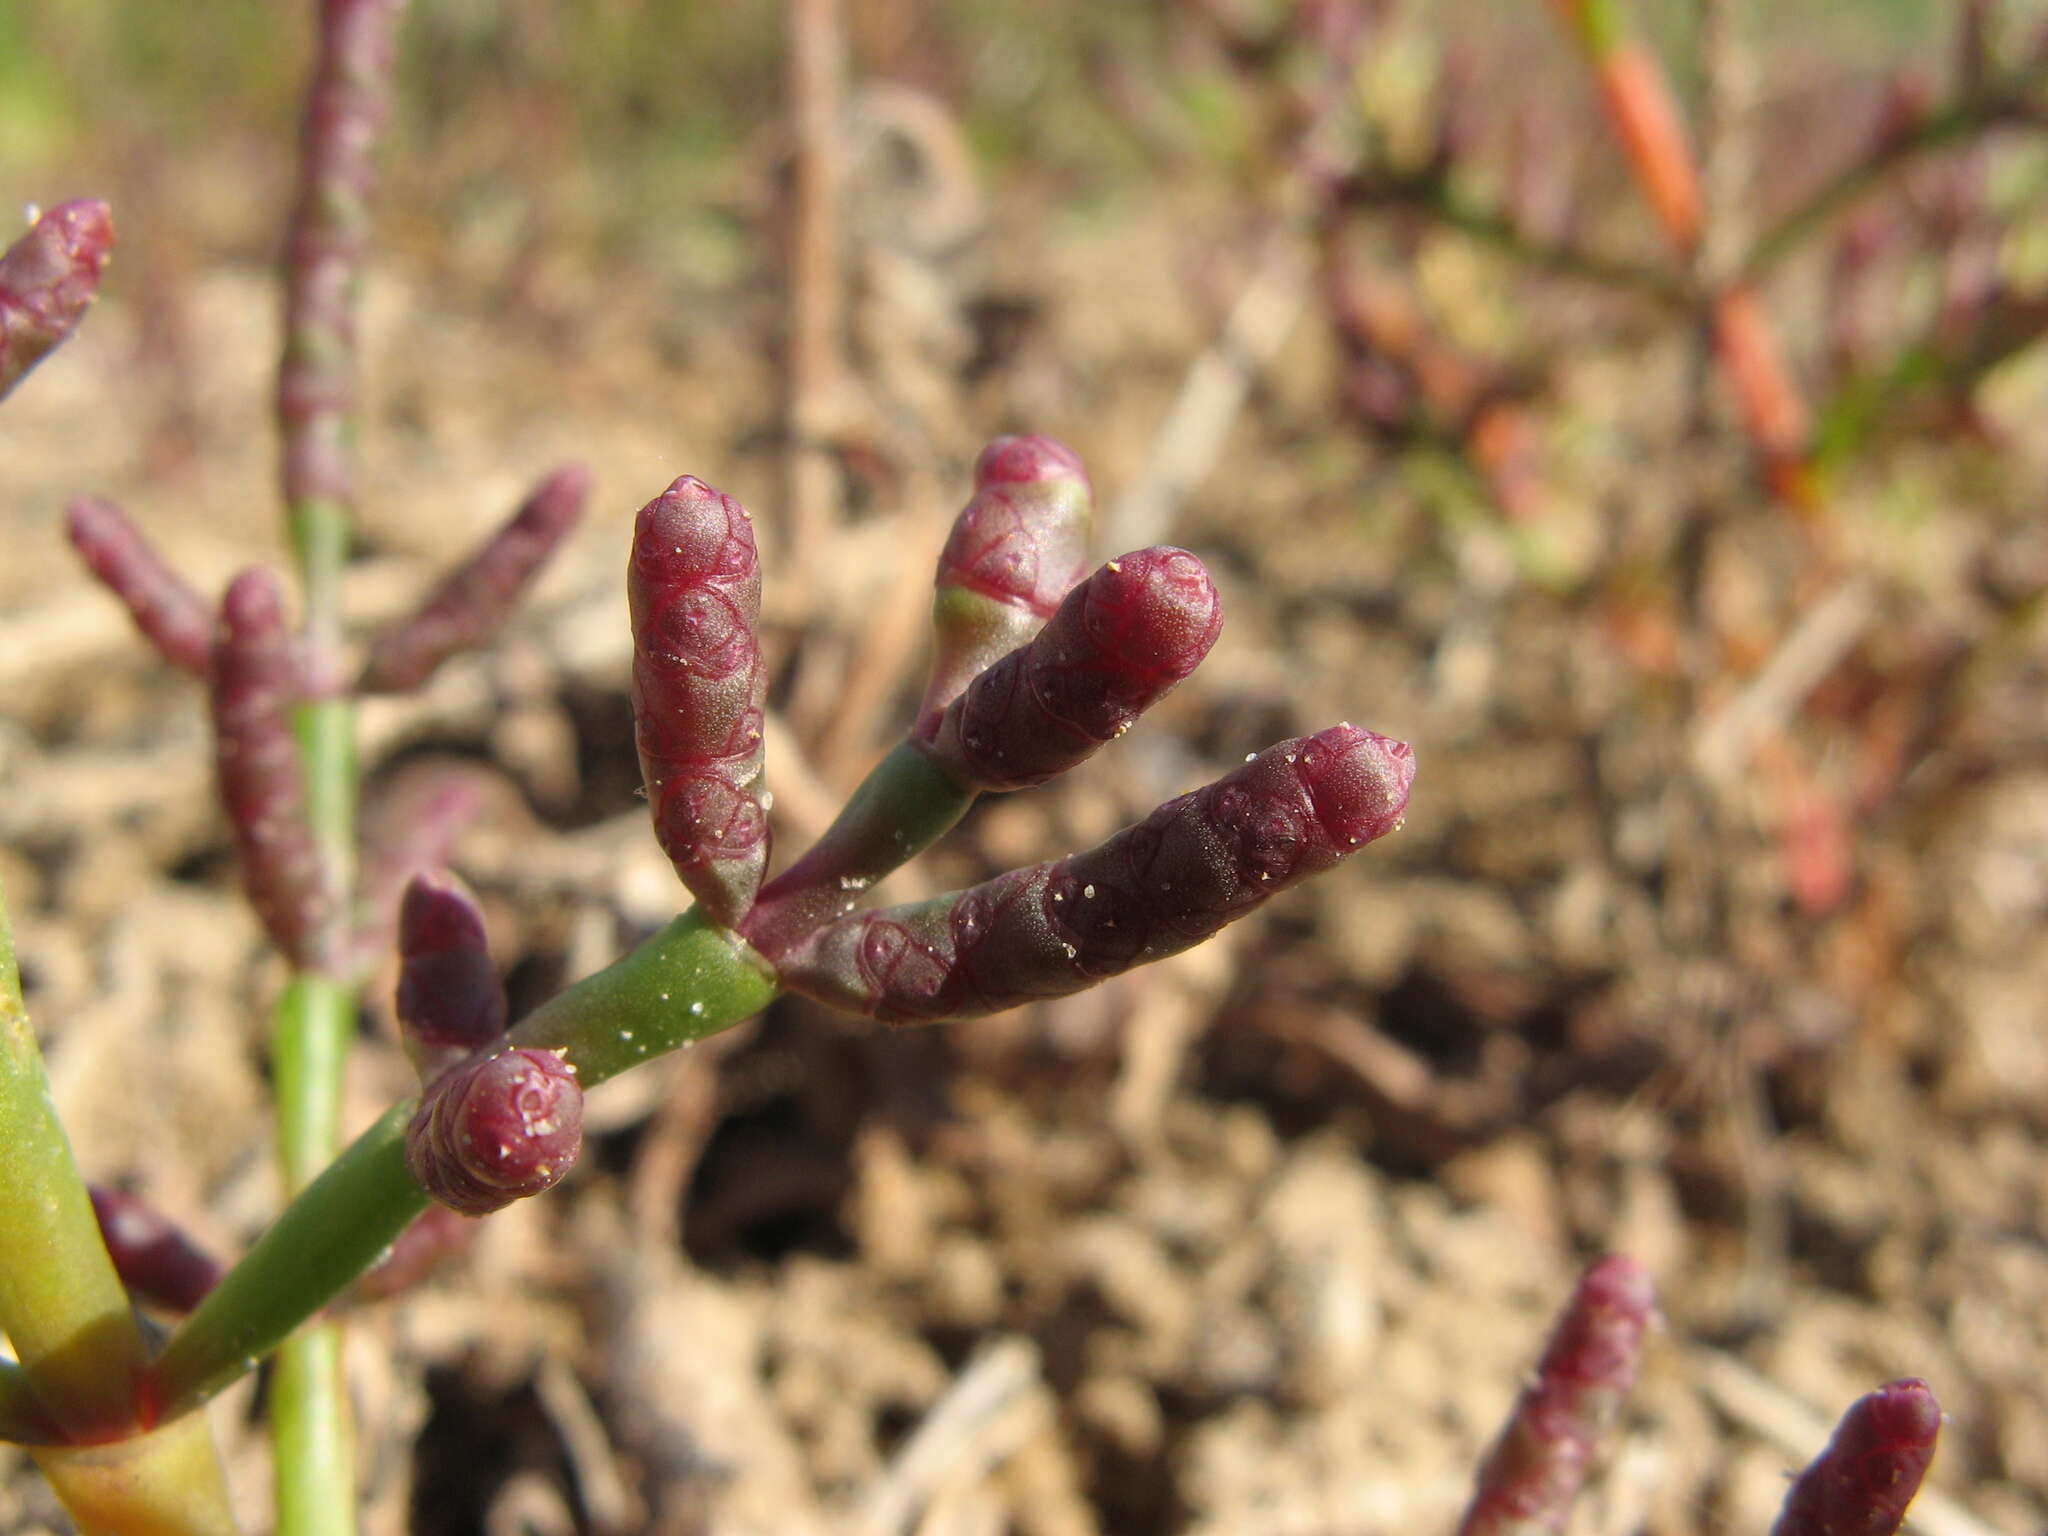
x=171, y=616
x=1115, y=647
x=473, y=601
x=1861, y=1484
x=694, y=588
x=262, y=786
x=48, y=279
x=1535, y=1470
x=1196, y=863
x=346, y=105
x=325, y=243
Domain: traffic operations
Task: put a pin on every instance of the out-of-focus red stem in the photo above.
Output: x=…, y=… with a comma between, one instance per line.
x=1640, y=105
x=1644, y=114
x=816, y=363
x=1533, y=1474
x=1774, y=413
x=48, y=279
x=326, y=239
x=154, y=1258
x=436, y=1236
x=1861, y=1484
x=255, y=683
x=171, y=616
x=475, y=599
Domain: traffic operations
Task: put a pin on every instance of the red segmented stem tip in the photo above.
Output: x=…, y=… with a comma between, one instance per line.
x=1194, y=864
x=694, y=588
x=1861, y=1484
x=170, y=615
x=1535, y=1470
x=255, y=682
x=476, y=598
x=48, y=279
x=1118, y=644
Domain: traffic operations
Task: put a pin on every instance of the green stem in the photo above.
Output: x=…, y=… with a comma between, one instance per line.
x=327, y=240
x=334, y=1230
x=2003, y=100
x=61, y=1304
x=315, y=1019
x=691, y=980
x=901, y=808
x=311, y=1434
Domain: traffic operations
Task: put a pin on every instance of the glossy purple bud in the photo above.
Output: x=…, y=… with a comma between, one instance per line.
x=449, y=1002
x=1118, y=644
x=1861, y=1484
x=496, y=1129
x=1194, y=864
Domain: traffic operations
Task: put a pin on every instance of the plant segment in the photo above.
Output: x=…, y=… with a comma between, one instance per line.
x=1531, y=1477
x=48, y=279
x=1861, y=1484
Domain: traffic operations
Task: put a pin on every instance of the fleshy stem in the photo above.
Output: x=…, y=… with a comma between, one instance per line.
x=76, y=1396
x=66, y=1314
x=346, y=105
x=689, y=981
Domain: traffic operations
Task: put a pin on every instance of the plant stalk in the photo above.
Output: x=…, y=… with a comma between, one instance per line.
x=691, y=980
x=61, y=1304
x=327, y=239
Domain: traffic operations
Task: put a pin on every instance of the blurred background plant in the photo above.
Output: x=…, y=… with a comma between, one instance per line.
x=1716, y=938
